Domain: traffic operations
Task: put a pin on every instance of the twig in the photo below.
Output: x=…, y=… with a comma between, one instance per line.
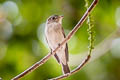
x=39, y=63
x=104, y=46
x=73, y=71
x=91, y=39
x=90, y=30
x=99, y=50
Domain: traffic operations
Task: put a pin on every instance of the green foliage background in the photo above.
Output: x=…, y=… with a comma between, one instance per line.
x=24, y=45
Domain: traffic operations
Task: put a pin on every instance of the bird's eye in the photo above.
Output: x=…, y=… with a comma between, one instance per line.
x=53, y=18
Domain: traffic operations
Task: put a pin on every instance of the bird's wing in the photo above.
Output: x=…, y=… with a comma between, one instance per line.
x=55, y=53
x=57, y=58
x=66, y=47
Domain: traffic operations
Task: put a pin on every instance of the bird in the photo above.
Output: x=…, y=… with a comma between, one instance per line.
x=54, y=34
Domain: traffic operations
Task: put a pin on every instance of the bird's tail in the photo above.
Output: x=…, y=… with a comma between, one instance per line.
x=65, y=68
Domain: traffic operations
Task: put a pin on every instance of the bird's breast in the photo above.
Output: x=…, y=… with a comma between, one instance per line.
x=54, y=35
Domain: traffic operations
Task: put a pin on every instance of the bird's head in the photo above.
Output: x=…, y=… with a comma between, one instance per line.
x=55, y=19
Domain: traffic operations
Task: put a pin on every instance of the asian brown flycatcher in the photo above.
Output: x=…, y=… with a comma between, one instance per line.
x=55, y=35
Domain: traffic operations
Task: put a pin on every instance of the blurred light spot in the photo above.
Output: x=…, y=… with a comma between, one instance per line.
x=0, y=78
x=3, y=49
x=11, y=9
x=41, y=35
x=36, y=48
x=5, y=30
x=2, y=14
x=117, y=16
x=115, y=49
x=18, y=21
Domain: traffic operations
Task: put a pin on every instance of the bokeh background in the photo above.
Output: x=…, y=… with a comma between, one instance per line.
x=22, y=40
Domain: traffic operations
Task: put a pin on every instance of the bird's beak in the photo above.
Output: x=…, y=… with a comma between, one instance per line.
x=61, y=17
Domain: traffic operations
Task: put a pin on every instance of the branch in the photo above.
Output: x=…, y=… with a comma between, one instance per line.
x=91, y=39
x=39, y=63
x=99, y=50
x=73, y=71
x=104, y=46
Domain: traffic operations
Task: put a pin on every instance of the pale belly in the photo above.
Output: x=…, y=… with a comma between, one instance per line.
x=54, y=37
